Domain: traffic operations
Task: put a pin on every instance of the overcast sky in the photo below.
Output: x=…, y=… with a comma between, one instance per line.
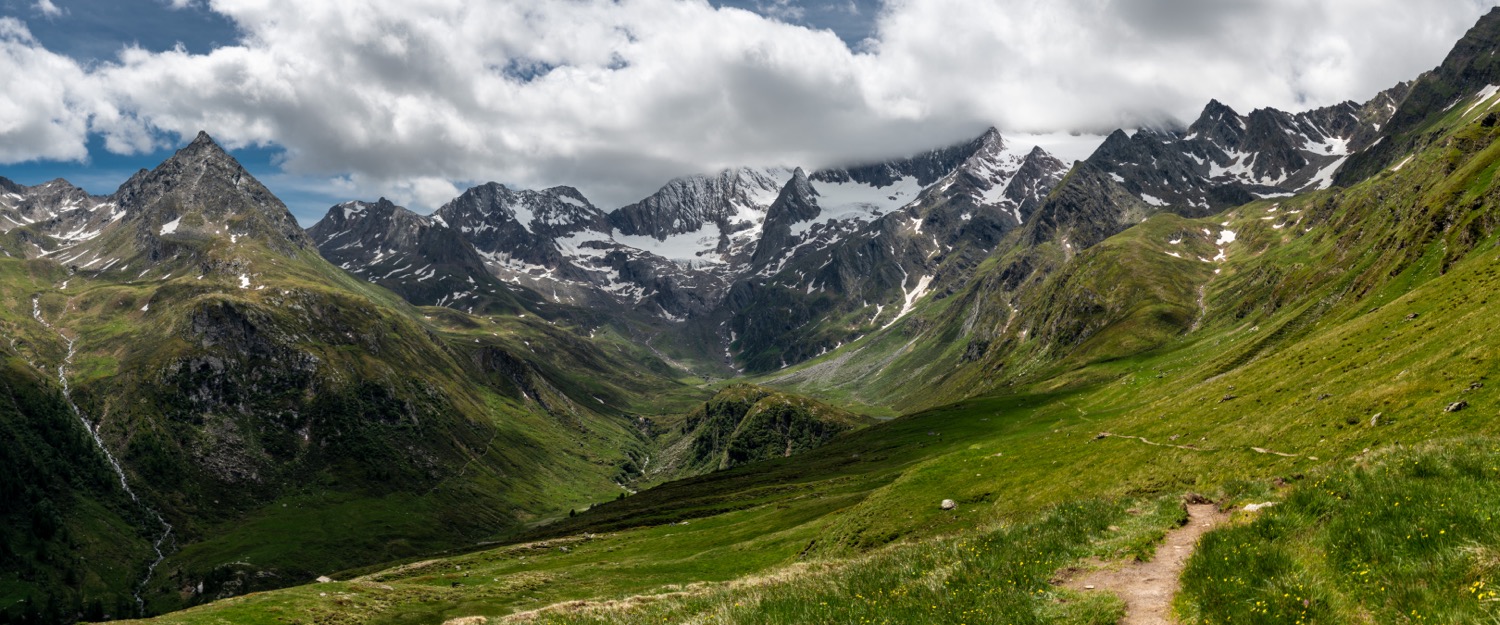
x=417, y=99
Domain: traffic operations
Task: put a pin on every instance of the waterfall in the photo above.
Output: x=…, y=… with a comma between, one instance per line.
x=114, y=463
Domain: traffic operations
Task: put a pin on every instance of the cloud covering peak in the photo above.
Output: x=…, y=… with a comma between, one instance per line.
x=414, y=98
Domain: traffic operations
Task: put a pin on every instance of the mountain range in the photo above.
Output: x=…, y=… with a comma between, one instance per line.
x=208, y=401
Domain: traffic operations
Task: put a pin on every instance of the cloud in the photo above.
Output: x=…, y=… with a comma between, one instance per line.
x=48, y=9
x=785, y=10
x=414, y=98
x=40, y=112
x=1041, y=65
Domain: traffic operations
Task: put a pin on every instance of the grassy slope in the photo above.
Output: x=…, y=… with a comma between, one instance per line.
x=1406, y=535
x=526, y=435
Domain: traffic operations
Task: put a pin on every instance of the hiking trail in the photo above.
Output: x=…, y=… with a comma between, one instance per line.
x=1148, y=587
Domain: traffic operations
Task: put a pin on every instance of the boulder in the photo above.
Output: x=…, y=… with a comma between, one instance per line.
x=949, y=504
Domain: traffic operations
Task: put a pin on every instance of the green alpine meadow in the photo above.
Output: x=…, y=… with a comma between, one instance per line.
x=1242, y=370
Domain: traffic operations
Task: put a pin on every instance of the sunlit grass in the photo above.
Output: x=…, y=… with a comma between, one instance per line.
x=1407, y=536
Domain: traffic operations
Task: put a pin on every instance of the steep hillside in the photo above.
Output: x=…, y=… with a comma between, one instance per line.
x=268, y=417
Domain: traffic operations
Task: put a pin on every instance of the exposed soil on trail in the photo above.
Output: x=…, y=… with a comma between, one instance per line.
x=1148, y=587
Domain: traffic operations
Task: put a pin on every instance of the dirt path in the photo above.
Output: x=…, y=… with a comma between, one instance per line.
x=1148, y=587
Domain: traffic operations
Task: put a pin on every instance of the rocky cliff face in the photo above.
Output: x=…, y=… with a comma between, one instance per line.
x=421, y=259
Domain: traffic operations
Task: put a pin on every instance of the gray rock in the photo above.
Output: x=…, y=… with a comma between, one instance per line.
x=949, y=504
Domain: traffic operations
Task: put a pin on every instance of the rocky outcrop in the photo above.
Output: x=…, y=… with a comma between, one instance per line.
x=746, y=423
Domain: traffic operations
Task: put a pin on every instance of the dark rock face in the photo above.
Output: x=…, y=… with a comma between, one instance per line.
x=685, y=205
x=875, y=270
x=521, y=227
x=421, y=259
x=796, y=203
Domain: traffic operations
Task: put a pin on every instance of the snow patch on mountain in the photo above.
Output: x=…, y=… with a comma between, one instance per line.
x=1484, y=95
x=859, y=202
x=917, y=292
x=688, y=246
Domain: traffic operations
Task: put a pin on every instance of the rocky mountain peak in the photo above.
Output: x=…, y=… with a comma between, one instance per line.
x=566, y=193
x=796, y=203
x=203, y=191
x=732, y=200
x=1220, y=125
x=203, y=141
x=45, y=203
x=550, y=212
x=800, y=181
x=355, y=211
x=991, y=137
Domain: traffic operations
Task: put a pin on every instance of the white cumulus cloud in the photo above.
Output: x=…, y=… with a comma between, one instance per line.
x=414, y=98
x=41, y=111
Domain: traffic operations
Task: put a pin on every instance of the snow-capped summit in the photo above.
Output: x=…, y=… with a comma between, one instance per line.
x=1225, y=159
x=678, y=252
